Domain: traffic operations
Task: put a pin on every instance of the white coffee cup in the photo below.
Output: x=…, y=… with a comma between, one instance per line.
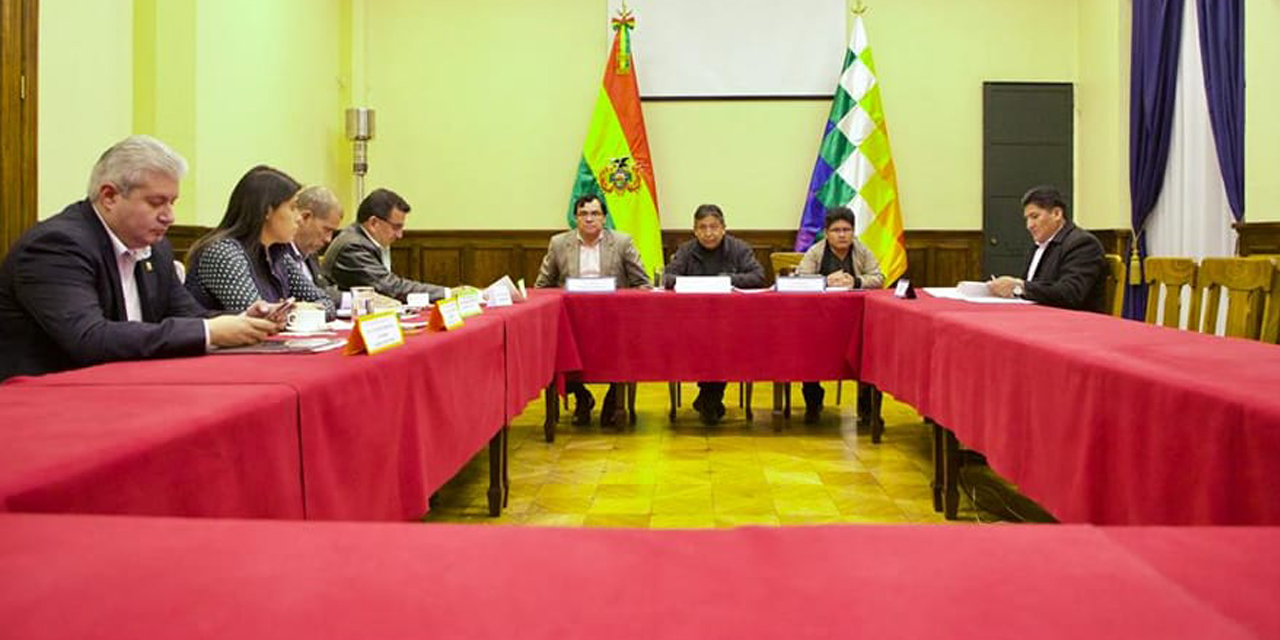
x=305, y=320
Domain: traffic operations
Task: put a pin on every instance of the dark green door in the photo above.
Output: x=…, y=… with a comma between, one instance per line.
x=1026, y=141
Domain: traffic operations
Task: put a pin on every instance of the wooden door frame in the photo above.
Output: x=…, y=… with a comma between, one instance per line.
x=18, y=108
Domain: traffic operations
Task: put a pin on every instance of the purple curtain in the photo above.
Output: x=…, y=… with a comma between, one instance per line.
x=1153, y=69
x=1222, y=49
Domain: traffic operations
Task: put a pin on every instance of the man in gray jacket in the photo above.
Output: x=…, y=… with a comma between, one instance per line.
x=713, y=253
x=591, y=250
x=361, y=255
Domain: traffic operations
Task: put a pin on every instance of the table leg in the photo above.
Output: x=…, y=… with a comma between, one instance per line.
x=506, y=464
x=938, y=472
x=495, y=474
x=553, y=412
x=876, y=410
x=951, y=474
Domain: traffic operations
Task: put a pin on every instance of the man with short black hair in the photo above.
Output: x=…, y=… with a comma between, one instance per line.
x=712, y=252
x=1066, y=269
x=361, y=255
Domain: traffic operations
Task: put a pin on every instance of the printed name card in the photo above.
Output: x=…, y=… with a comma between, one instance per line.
x=375, y=333
x=802, y=284
x=445, y=316
x=590, y=285
x=499, y=296
x=469, y=303
x=418, y=300
x=704, y=284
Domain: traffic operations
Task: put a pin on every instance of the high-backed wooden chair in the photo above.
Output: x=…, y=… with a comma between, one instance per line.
x=1248, y=283
x=1171, y=275
x=784, y=263
x=1271, y=316
x=1115, y=285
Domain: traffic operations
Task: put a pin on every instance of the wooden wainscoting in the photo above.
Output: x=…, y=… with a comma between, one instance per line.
x=1114, y=240
x=478, y=257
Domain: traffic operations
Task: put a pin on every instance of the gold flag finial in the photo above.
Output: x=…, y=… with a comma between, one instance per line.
x=859, y=8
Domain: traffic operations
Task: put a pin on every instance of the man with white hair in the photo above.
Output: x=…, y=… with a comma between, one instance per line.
x=96, y=283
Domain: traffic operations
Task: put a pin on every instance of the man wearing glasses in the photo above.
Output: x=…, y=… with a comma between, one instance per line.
x=592, y=250
x=844, y=262
x=361, y=255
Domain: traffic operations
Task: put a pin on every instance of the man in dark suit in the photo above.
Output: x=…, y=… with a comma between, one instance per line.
x=1068, y=265
x=361, y=255
x=712, y=252
x=96, y=283
x=320, y=216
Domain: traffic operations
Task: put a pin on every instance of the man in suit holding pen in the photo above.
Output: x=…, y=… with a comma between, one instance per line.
x=1066, y=269
x=96, y=283
x=361, y=255
x=592, y=250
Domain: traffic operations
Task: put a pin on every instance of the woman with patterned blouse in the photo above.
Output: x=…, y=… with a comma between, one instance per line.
x=246, y=257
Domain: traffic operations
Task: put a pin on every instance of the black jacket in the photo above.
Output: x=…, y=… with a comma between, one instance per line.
x=1071, y=273
x=61, y=305
x=739, y=261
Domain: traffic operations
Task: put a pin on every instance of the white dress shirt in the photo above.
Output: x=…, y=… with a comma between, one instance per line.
x=1035, y=260
x=126, y=260
x=589, y=257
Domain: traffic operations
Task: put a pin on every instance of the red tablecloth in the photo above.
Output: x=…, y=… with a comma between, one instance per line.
x=532, y=338
x=1111, y=421
x=379, y=434
x=636, y=335
x=898, y=337
x=85, y=576
x=211, y=450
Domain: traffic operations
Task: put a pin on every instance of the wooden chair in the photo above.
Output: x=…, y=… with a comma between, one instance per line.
x=1248, y=283
x=1170, y=275
x=1271, y=316
x=1115, y=285
x=784, y=263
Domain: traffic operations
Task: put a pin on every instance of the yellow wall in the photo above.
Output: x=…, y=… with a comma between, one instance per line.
x=1262, y=111
x=1102, y=115
x=85, y=101
x=482, y=106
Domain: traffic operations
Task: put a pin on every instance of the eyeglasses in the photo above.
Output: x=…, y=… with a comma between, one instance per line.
x=590, y=214
x=839, y=230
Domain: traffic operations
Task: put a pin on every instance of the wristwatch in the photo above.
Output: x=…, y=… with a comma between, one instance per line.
x=1017, y=291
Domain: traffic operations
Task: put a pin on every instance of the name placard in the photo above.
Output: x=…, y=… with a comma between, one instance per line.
x=704, y=284
x=499, y=296
x=469, y=303
x=445, y=316
x=904, y=290
x=802, y=284
x=375, y=333
x=590, y=285
x=418, y=300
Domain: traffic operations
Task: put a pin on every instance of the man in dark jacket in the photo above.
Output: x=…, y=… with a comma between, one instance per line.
x=96, y=283
x=361, y=255
x=1068, y=265
x=714, y=253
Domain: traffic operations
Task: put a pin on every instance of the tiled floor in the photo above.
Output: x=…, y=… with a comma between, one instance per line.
x=686, y=475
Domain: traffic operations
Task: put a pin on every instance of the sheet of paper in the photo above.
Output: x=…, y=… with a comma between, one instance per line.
x=952, y=293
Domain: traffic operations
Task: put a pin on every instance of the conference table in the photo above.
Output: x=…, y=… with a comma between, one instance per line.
x=117, y=577
x=374, y=436
x=1098, y=419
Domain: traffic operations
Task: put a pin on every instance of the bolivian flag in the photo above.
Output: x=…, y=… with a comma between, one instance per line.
x=615, y=160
